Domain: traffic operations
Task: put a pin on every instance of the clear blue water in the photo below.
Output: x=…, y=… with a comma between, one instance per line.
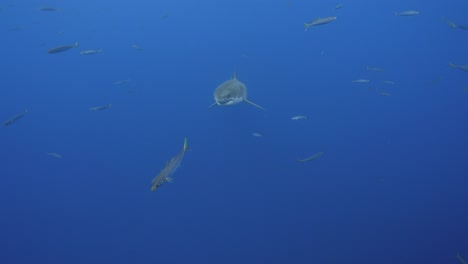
x=390, y=188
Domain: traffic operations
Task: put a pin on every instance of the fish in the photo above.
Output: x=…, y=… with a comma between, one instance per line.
x=338, y=6
x=164, y=16
x=15, y=118
x=375, y=69
x=389, y=82
x=62, y=48
x=165, y=174
x=460, y=258
x=100, y=108
x=231, y=92
x=319, y=21
x=121, y=82
x=449, y=23
x=460, y=67
x=49, y=9
x=299, y=117
x=137, y=47
x=315, y=156
x=360, y=81
x=89, y=52
x=55, y=155
x=464, y=27
x=407, y=13
x=257, y=135
x=382, y=92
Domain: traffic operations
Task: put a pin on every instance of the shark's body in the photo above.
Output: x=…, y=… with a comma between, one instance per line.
x=231, y=92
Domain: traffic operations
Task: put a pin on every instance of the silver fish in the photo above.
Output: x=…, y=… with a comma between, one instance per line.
x=407, y=13
x=15, y=118
x=100, y=108
x=89, y=52
x=165, y=174
x=62, y=48
x=315, y=156
x=319, y=21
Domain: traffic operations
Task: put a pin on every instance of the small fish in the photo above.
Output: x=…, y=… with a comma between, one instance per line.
x=231, y=92
x=62, y=48
x=460, y=67
x=463, y=27
x=100, y=108
x=315, y=156
x=121, y=82
x=360, y=81
x=449, y=23
x=55, y=155
x=49, y=9
x=166, y=15
x=15, y=118
x=407, y=13
x=257, y=135
x=319, y=21
x=338, y=6
x=382, y=92
x=375, y=69
x=137, y=47
x=165, y=174
x=89, y=52
x=460, y=258
x=299, y=117
x=389, y=82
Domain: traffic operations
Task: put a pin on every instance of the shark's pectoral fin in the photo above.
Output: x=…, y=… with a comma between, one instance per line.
x=211, y=106
x=254, y=104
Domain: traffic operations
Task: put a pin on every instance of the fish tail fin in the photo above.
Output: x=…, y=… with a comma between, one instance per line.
x=186, y=147
x=254, y=104
x=306, y=26
x=451, y=64
x=26, y=111
x=109, y=105
x=75, y=45
x=99, y=50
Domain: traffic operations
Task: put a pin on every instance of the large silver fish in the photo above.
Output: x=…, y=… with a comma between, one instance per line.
x=62, y=48
x=319, y=21
x=165, y=174
x=15, y=118
x=232, y=92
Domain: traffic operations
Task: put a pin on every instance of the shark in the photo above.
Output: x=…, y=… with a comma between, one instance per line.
x=232, y=92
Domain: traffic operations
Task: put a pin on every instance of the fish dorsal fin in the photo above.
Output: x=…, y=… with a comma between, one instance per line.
x=234, y=75
x=254, y=104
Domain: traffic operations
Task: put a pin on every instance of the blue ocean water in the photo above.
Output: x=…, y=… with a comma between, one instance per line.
x=391, y=186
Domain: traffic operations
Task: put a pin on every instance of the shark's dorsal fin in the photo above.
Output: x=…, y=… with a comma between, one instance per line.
x=234, y=75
